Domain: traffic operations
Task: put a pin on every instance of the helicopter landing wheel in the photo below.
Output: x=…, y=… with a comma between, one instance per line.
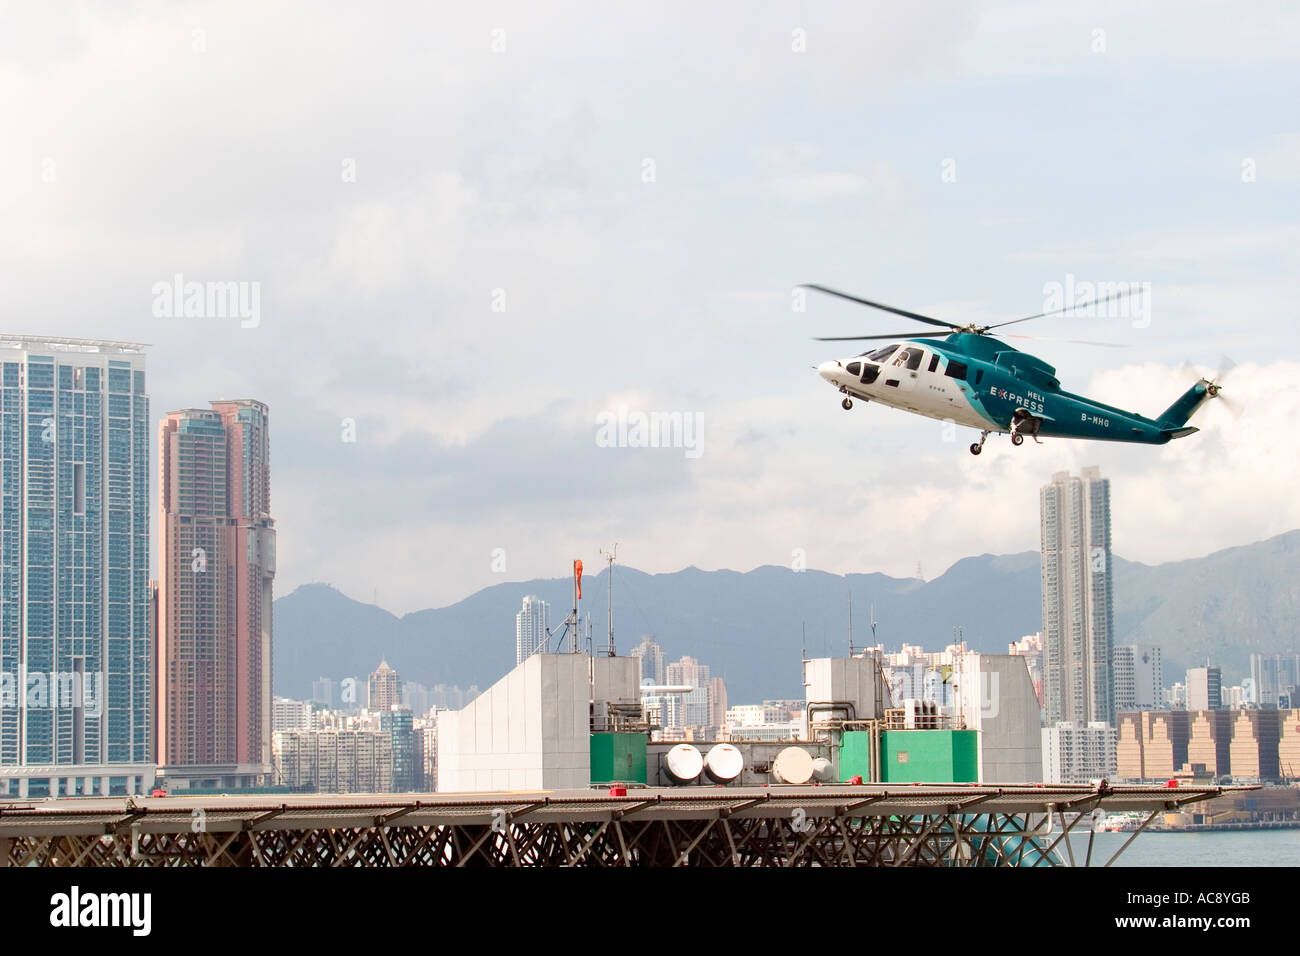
x=846, y=404
x=976, y=448
x=1017, y=439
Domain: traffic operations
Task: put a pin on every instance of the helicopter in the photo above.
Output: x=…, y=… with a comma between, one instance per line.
x=971, y=378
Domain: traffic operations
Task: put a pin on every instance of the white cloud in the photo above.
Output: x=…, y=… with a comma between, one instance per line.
x=521, y=171
x=813, y=187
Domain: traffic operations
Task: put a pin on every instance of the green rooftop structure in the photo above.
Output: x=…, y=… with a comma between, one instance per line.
x=618, y=758
x=912, y=756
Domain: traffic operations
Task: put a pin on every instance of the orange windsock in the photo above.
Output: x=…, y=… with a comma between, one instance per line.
x=577, y=576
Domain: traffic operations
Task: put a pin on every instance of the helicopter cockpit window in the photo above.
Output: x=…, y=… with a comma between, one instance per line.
x=911, y=358
x=881, y=354
x=853, y=368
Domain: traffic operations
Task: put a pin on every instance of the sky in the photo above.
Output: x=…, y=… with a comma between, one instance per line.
x=477, y=232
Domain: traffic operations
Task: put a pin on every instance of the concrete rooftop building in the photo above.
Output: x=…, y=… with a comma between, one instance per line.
x=531, y=730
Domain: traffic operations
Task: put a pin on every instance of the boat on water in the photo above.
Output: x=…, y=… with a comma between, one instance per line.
x=1118, y=823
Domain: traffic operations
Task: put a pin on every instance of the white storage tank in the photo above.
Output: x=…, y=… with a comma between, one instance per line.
x=793, y=765
x=724, y=763
x=683, y=763
x=823, y=771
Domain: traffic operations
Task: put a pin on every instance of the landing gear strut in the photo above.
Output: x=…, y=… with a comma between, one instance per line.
x=846, y=404
x=978, y=446
x=1023, y=421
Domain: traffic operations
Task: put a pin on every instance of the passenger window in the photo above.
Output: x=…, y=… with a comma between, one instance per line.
x=979, y=376
x=956, y=370
x=934, y=362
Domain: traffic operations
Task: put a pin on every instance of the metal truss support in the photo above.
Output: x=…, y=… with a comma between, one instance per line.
x=745, y=837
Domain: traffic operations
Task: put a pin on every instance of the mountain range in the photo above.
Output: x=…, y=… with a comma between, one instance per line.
x=752, y=627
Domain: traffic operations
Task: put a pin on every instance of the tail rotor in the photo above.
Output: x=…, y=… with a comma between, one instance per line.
x=1214, y=386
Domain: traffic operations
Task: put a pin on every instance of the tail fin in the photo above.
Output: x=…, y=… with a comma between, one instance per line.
x=1177, y=414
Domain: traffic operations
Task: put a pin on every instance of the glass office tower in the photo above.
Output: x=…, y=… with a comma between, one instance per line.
x=75, y=649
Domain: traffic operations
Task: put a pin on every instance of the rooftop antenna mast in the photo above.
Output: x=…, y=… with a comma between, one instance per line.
x=850, y=624
x=803, y=651
x=575, y=636
x=572, y=623
x=874, y=622
x=609, y=556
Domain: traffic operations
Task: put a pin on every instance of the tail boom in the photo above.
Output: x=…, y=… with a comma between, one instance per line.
x=1175, y=417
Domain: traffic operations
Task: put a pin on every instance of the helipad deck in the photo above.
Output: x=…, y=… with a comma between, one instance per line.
x=871, y=825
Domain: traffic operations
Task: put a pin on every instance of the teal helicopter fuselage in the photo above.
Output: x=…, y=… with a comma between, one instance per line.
x=981, y=382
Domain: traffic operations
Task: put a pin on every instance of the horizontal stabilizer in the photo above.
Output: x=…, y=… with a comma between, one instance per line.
x=1181, y=432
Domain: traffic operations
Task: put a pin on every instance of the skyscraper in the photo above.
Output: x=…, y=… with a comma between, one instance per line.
x=1204, y=688
x=717, y=702
x=689, y=672
x=1139, y=677
x=75, y=685
x=651, y=656
x=216, y=567
x=415, y=697
x=532, y=625
x=398, y=724
x=384, y=689
x=322, y=692
x=1122, y=666
x=1275, y=675
x=1077, y=617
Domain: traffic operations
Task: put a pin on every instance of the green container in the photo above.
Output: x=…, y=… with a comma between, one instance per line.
x=618, y=758
x=855, y=755
x=929, y=756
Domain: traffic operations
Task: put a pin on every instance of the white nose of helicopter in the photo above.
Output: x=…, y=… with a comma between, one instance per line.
x=829, y=370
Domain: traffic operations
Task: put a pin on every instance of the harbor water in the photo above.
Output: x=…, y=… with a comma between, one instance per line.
x=1221, y=848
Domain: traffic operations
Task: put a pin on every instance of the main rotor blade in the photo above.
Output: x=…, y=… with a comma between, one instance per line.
x=1044, y=338
x=877, y=305
x=1070, y=308
x=896, y=335
x=1226, y=365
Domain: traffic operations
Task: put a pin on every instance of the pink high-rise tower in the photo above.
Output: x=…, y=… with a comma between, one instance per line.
x=216, y=567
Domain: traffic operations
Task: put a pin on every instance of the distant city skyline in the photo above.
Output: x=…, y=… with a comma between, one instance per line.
x=1274, y=675
x=1157, y=595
